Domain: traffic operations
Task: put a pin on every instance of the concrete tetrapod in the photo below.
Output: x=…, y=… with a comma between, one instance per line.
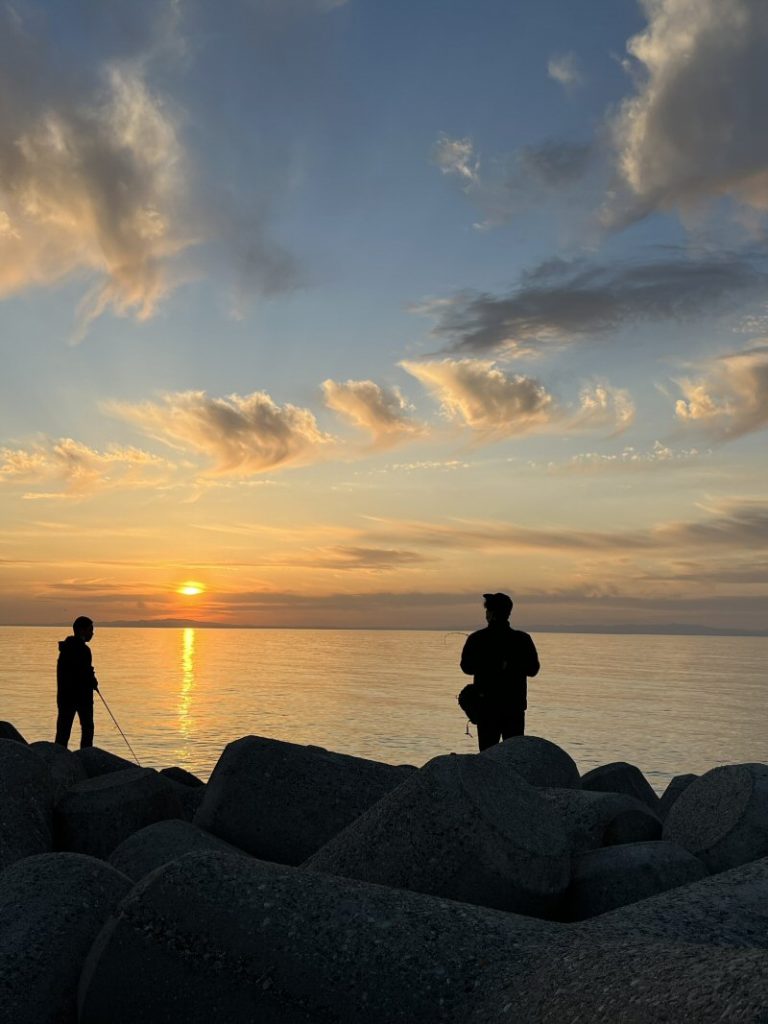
x=281, y=801
x=219, y=938
x=463, y=827
x=65, y=768
x=634, y=983
x=677, y=786
x=539, y=761
x=157, y=844
x=594, y=819
x=96, y=815
x=26, y=803
x=52, y=907
x=722, y=817
x=602, y=880
x=8, y=731
x=621, y=777
x=729, y=909
x=101, y=762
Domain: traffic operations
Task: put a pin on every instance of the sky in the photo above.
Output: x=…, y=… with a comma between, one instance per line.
x=343, y=313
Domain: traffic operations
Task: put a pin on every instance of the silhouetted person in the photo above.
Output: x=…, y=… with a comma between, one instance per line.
x=75, y=683
x=500, y=659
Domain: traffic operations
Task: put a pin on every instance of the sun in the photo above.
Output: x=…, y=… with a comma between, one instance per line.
x=191, y=588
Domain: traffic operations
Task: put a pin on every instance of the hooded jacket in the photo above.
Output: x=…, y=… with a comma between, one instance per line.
x=75, y=678
x=501, y=658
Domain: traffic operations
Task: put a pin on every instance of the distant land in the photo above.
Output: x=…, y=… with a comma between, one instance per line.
x=671, y=629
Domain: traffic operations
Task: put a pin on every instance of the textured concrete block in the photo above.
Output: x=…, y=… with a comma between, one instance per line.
x=8, y=731
x=677, y=786
x=539, y=761
x=65, y=768
x=158, y=844
x=462, y=827
x=26, y=803
x=592, y=819
x=621, y=777
x=101, y=762
x=281, y=801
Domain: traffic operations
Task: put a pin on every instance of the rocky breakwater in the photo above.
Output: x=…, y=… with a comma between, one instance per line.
x=317, y=887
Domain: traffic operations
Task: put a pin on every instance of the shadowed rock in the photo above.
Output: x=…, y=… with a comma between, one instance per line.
x=729, y=909
x=538, y=761
x=52, y=907
x=633, y=983
x=677, y=786
x=10, y=732
x=722, y=817
x=157, y=844
x=65, y=768
x=603, y=880
x=101, y=762
x=95, y=816
x=462, y=827
x=238, y=940
x=621, y=777
x=26, y=803
x=592, y=820
x=281, y=801
x=182, y=775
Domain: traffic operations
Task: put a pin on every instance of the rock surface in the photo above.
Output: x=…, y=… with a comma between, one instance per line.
x=101, y=762
x=281, y=801
x=183, y=776
x=8, y=731
x=539, y=761
x=677, y=786
x=621, y=777
x=221, y=938
x=52, y=907
x=722, y=817
x=463, y=827
x=158, y=844
x=592, y=819
x=65, y=768
x=97, y=815
x=26, y=803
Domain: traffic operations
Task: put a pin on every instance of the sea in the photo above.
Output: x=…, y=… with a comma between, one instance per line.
x=668, y=704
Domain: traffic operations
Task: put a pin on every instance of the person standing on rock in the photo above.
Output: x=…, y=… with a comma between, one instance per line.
x=75, y=683
x=501, y=659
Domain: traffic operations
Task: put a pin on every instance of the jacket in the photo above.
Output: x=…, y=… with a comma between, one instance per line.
x=501, y=659
x=75, y=678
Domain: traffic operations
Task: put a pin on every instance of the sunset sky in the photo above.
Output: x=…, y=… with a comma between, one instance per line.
x=343, y=312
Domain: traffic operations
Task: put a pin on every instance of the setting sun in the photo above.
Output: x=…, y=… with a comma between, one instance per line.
x=191, y=589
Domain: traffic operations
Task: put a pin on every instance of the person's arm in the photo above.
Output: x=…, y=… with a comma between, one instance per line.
x=531, y=657
x=89, y=671
x=469, y=658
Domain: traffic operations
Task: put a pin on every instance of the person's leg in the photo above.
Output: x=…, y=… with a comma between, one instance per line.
x=64, y=722
x=488, y=733
x=85, y=714
x=513, y=724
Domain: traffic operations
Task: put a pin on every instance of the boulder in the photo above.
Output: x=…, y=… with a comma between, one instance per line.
x=65, y=768
x=281, y=801
x=592, y=820
x=190, y=797
x=182, y=775
x=95, y=816
x=212, y=937
x=728, y=909
x=621, y=777
x=157, y=844
x=632, y=983
x=10, y=732
x=100, y=762
x=540, y=762
x=614, y=876
x=722, y=817
x=52, y=907
x=26, y=803
x=677, y=786
x=462, y=827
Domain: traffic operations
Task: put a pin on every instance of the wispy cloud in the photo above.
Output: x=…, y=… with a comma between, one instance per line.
x=239, y=434
x=730, y=397
x=629, y=459
x=457, y=157
x=383, y=412
x=565, y=68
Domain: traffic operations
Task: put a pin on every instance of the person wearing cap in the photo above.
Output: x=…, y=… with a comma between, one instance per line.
x=501, y=659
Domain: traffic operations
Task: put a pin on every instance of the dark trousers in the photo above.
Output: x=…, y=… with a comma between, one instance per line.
x=68, y=708
x=501, y=726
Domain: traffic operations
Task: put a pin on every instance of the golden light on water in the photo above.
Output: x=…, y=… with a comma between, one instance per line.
x=191, y=589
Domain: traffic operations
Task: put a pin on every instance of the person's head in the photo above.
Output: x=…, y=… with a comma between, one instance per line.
x=82, y=627
x=498, y=607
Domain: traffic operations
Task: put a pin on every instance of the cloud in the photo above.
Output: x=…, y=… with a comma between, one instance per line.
x=602, y=407
x=457, y=157
x=565, y=69
x=629, y=459
x=80, y=469
x=240, y=434
x=477, y=393
x=697, y=127
x=731, y=398
x=560, y=301
x=383, y=412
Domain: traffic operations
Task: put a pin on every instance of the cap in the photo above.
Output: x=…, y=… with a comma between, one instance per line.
x=498, y=603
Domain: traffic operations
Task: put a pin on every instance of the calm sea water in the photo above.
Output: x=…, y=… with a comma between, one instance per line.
x=668, y=704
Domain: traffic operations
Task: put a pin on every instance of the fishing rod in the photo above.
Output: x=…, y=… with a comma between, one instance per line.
x=118, y=728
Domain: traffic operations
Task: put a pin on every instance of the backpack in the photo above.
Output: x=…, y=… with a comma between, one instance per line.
x=472, y=702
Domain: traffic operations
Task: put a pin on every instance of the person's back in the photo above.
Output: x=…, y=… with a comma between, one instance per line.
x=500, y=659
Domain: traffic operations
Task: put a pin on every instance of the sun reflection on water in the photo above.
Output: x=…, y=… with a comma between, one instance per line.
x=186, y=721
